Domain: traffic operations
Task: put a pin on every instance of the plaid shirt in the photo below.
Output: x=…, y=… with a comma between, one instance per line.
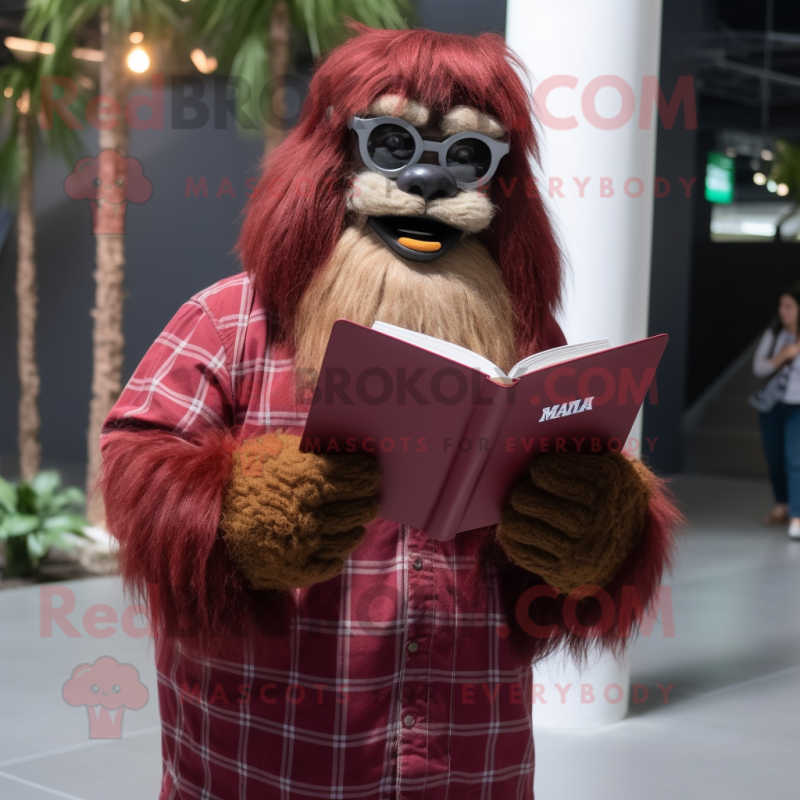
x=396, y=680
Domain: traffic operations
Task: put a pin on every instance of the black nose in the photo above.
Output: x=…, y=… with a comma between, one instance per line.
x=428, y=181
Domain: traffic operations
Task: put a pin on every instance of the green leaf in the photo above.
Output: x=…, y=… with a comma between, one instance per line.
x=36, y=548
x=46, y=482
x=251, y=68
x=73, y=523
x=64, y=541
x=68, y=497
x=72, y=495
x=8, y=497
x=19, y=524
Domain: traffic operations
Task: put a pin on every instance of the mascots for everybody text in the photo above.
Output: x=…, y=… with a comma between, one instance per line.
x=305, y=647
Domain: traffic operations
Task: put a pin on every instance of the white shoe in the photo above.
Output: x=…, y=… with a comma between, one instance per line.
x=794, y=529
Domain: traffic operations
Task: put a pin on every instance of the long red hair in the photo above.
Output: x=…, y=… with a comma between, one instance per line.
x=297, y=211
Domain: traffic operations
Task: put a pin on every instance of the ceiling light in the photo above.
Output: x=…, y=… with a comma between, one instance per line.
x=29, y=46
x=88, y=54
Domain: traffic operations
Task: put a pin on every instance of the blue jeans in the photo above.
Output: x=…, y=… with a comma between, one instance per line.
x=780, y=435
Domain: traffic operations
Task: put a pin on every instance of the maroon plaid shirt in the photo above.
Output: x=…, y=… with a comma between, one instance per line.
x=396, y=680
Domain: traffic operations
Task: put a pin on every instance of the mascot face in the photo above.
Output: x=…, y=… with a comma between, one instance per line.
x=409, y=257
x=405, y=194
x=423, y=177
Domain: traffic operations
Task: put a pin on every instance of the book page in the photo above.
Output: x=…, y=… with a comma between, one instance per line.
x=556, y=355
x=449, y=350
x=471, y=359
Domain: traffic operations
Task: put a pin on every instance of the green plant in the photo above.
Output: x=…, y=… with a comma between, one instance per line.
x=252, y=41
x=786, y=170
x=35, y=516
x=786, y=166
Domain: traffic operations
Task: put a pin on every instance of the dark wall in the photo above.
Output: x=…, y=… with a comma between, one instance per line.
x=735, y=289
x=463, y=16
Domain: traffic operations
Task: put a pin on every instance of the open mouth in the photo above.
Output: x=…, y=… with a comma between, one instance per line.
x=416, y=238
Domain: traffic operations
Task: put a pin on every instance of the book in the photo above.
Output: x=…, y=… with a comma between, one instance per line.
x=453, y=433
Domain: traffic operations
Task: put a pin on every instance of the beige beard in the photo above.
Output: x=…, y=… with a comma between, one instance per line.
x=459, y=297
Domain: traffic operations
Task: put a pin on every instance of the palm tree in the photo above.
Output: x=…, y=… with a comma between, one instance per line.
x=252, y=37
x=117, y=19
x=20, y=104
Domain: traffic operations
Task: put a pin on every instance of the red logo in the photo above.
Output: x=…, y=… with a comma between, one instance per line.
x=109, y=182
x=106, y=688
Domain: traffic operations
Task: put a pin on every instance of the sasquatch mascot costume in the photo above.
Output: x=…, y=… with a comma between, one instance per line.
x=307, y=648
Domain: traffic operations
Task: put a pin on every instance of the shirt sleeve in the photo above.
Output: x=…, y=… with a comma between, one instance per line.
x=761, y=364
x=182, y=384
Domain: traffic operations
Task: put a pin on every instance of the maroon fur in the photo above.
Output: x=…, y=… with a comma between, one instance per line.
x=163, y=496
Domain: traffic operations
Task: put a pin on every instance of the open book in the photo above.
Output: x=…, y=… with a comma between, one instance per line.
x=469, y=358
x=452, y=432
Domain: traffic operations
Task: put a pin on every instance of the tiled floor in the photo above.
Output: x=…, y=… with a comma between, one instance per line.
x=731, y=727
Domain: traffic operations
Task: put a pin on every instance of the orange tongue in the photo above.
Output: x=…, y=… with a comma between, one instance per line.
x=418, y=244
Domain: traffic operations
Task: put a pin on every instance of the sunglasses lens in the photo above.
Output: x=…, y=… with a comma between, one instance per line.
x=469, y=160
x=390, y=146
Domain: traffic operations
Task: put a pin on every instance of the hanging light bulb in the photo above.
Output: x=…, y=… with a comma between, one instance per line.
x=783, y=189
x=138, y=60
x=759, y=179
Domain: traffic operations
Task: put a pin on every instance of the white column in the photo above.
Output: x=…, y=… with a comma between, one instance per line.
x=594, y=64
x=607, y=238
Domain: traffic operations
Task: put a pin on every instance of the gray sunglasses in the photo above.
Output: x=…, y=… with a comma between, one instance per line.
x=388, y=144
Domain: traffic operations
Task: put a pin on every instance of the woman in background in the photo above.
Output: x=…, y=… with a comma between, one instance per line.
x=777, y=361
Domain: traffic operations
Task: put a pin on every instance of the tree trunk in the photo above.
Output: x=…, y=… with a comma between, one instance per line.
x=278, y=53
x=108, y=339
x=30, y=448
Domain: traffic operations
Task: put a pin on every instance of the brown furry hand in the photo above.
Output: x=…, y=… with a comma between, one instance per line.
x=577, y=518
x=292, y=521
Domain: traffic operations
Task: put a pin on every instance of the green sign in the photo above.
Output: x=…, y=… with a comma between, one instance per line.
x=720, y=177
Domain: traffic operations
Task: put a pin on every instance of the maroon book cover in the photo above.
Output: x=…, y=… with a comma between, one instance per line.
x=450, y=440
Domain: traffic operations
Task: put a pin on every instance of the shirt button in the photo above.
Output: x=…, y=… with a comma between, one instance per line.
x=417, y=563
x=412, y=647
x=409, y=720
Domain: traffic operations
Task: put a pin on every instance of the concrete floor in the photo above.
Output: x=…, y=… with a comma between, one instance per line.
x=731, y=727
